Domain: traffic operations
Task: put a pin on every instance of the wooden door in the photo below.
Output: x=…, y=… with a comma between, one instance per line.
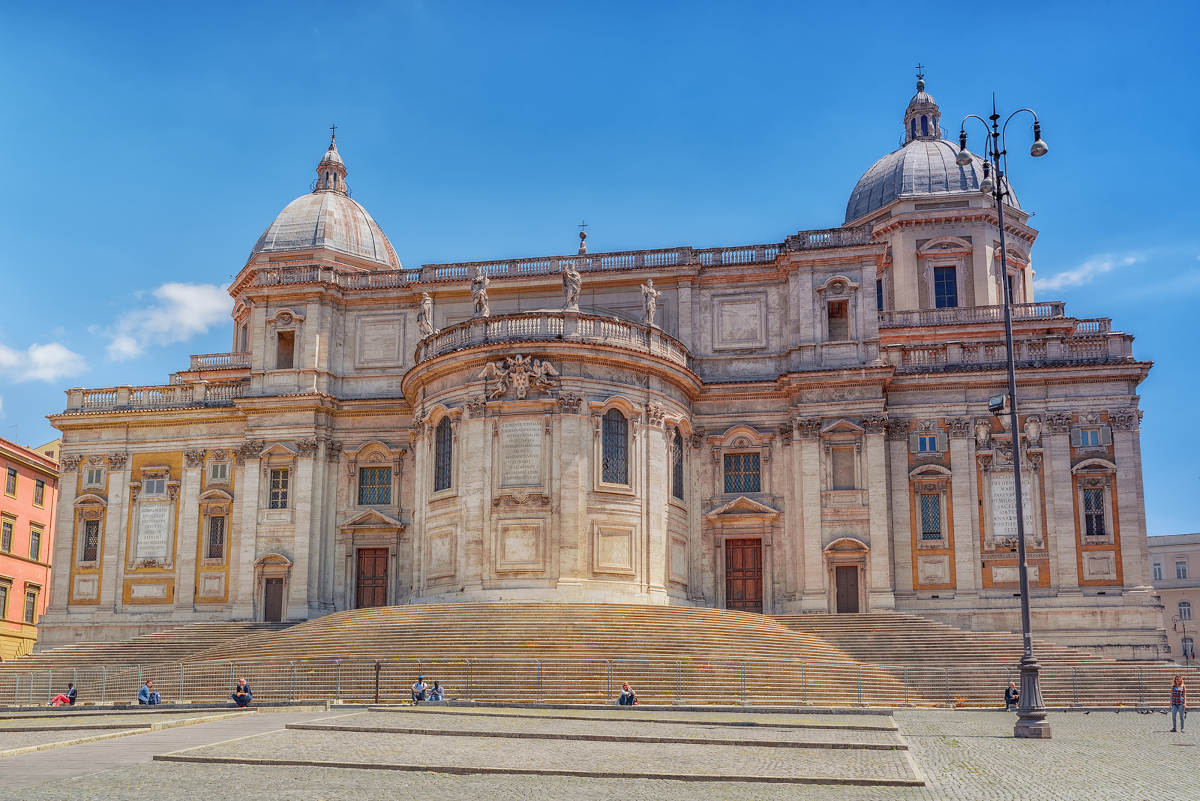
x=743, y=575
x=273, y=600
x=847, y=588
x=371, y=589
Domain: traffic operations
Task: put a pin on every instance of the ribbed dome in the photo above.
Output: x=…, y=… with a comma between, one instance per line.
x=922, y=167
x=328, y=218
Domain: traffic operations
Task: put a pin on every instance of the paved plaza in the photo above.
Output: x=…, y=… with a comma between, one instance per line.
x=590, y=753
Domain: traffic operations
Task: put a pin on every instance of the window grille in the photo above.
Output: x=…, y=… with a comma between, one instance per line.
x=6, y=536
x=279, y=490
x=677, y=465
x=931, y=517
x=1093, y=512
x=91, y=540
x=30, y=606
x=3, y=600
x=442, y=455
x=10, y=483
x=742, y=472
x=39, y=492
x=35, y=543
x=615, y=445
x=374, y=486
x=216, y=538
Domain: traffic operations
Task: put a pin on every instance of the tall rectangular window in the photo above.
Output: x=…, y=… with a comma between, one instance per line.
x=1093, y=512
x=945, y=287
x=1181, y=569
x=1156, y=571
x=677, y=465
x=39, y=492
x=839, y=320
x=443, y=455
x=931, y=516
x=35, y=543
x=842, y=467
x=31, y=606
x=10, y=481
x=879, y=294
x=279, y=490
x=1185, y=610
x=614, y=444
x=216, y=538
x=91, y=541
x=3, y=601
x=374, y=486
x=285, y=350
x=743, y=472
x=6, y=535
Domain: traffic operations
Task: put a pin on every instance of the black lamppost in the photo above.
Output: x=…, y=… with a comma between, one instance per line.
x=1031, y=710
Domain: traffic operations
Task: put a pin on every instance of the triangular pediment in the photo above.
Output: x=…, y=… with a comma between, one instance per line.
x=373, y=518
x=842, y=426
x=742, y=506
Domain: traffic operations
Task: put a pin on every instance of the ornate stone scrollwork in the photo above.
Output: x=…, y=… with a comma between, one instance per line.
x=520, y=374
x=570, y=404
x=249, y=450
x=875, y=424
x=521, y=499
x=68, y=464
x=1033, y=430
x=1058, y=422
x=1125, y=419
x=477, y=406
x=306, y=447
x=983, y=432
x=333, y=450
x=958, y=427
x=697, y=440
x=418, y=423
x=193, y=458
x=117, y=460
x=655, y=414
x=809, y=426
x=897, y=428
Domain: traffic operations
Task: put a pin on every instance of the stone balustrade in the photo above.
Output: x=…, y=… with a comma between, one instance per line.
x=944, y=356
x=219, y=361
x=959, y=315
x=126, y=398
x=553, y=325
x=680, y=257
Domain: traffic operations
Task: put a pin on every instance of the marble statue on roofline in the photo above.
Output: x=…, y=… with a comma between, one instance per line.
x=479, y=296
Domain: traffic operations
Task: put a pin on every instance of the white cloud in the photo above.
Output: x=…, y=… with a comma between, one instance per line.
x=1084, y=273
x=178, y=313
x=41, y=362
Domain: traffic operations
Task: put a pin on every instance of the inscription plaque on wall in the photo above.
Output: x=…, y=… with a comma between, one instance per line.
x=1004, y=505
x=521, y=453
x=153, y=536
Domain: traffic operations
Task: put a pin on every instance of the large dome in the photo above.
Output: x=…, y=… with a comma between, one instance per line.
x=328, y=218
x=924, y=166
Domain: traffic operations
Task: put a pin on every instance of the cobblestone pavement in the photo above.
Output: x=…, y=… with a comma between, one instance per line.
x=115, y=720
x=965, y=755
x=20, y=739
x=863, y=720
x=617, y=728
x=570, y=755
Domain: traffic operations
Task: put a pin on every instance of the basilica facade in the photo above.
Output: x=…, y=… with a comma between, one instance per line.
x=798, y=426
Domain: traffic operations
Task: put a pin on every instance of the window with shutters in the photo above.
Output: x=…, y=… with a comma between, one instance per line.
x=743, y=472
x=677, y=465
x=443, y=455
x=90, y=550
x=374, y=486
x=842, y=467
x=927, y=443
x=614, y=441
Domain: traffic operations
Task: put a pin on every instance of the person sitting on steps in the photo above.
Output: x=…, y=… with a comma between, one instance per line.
x=1011, y=696
x=147, y=696
x=67, y=698
x=241, y=694
x=438, y=693
x=419, y=690
x=627, y=697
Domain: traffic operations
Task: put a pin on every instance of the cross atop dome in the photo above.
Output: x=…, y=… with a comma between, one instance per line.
x=922, y=117
x=331, y=172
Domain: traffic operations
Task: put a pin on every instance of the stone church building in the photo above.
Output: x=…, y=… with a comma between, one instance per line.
x=798, y=426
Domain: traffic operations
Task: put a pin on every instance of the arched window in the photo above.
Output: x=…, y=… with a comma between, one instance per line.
x=924, y=125
x=442, y=446
x=677, y=465
x=615, y=443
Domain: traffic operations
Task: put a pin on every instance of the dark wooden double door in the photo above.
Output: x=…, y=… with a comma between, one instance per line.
x=371, y=578
x=744, y=575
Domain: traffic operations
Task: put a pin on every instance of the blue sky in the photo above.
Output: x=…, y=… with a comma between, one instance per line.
x=147, y=145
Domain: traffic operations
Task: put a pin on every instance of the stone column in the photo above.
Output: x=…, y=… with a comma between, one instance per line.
x=241, y=552
x=657, y=474
x=1060, y=503
x=966, y=543
x=304, y=494
x=814, y=597
x=572, y=462
x=902, y=543
x=1131, y=499
x=64, y=534
x=188, y=531
x=112, y=573
x=875, y=470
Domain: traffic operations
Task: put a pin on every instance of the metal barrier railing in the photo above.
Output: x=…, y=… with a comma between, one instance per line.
x=744, y=681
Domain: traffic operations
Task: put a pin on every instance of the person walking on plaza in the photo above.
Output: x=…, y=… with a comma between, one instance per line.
x=65, y=698
x=147, y=695
x=1178, y=702
x=1011, y=696
x=241, y=694
x=627, y=697
x=419, y=689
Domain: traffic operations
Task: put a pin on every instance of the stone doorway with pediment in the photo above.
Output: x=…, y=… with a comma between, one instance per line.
x=846, y=565
x=742, y=532
x=368, y=568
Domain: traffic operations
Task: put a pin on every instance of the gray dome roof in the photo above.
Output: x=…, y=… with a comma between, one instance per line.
x=923, y=167
x=331, y=220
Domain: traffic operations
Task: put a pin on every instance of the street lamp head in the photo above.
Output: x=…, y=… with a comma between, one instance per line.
x=1038, y=148
x=987, y=184
x=964, y=156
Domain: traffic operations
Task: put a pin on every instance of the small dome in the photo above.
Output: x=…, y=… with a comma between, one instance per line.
x=328, y=218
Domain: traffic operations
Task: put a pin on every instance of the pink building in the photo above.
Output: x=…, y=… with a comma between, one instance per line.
x=28, y=490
